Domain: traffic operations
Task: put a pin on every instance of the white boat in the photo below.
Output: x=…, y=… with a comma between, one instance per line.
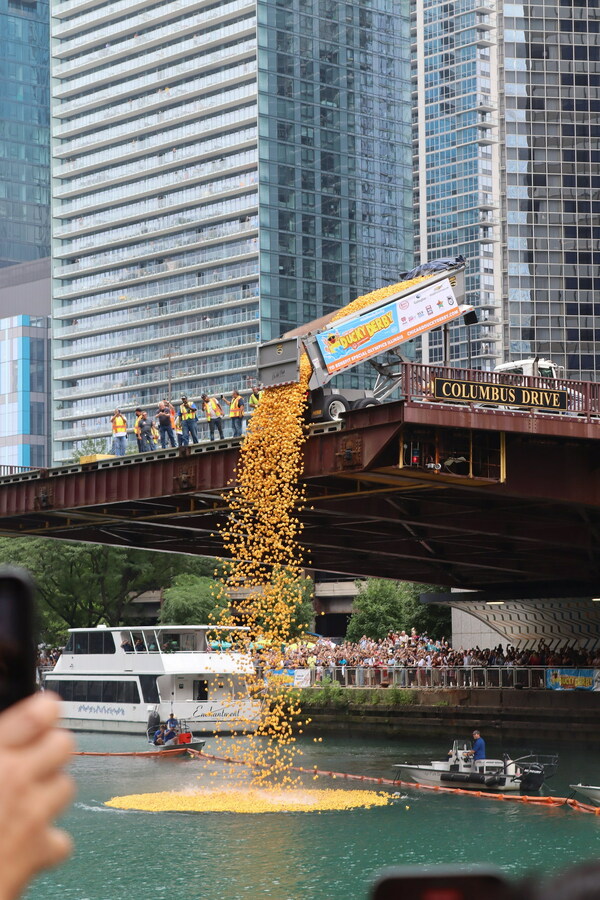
x=592, y=792
x=116, y=679
x=525, y=774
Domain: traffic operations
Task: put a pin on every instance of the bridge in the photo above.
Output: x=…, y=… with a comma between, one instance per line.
x=488, y=498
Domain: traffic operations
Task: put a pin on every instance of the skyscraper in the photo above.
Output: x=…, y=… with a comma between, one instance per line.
x=24, y=131
x=25, y=364
x=507, y=142
x=222, y=172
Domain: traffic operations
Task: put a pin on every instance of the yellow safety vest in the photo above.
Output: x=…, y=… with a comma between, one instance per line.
x=136, y=427
x=186, y=413
x=119, y=425
x=214, y=407
x=235, y=410
x=255, y=399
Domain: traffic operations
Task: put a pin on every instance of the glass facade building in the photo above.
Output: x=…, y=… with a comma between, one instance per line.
x=24, y=412
x=507, y=143
x=24, y=131
x=457, y=158
x=552, y=98
x=222, y=173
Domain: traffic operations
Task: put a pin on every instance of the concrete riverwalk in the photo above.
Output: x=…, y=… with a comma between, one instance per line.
x=513, y=714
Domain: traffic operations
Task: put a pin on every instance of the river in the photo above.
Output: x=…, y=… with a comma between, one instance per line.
x=124, y=855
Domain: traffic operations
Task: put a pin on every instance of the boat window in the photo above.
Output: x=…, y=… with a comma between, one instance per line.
x=63, y=688
x=94, y=691
x=545, y=372
x=90, y=642
x=109, y=691
x=79, y=690
x=170, y=643
x=81, y=642
x=200, y=689
x=149, y=689
x=188, y=642
x=98, y=691
x=127, y=692
x=95, y=642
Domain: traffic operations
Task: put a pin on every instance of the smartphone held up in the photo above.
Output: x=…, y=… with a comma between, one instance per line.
x=17, y=636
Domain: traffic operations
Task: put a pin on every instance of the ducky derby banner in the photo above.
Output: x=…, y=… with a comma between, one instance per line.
x=351, y=340
x=502, y=394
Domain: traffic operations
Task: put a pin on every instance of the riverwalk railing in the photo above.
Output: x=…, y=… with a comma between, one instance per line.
x=438, y=677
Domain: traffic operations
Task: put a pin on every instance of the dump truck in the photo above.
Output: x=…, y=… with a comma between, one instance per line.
x=335, y=345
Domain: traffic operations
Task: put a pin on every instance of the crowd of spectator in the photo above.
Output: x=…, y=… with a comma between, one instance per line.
x=410, y=650
x=48, y=657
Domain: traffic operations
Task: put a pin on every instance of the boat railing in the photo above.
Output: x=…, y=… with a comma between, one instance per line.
x=547, y=761
x=434, y=677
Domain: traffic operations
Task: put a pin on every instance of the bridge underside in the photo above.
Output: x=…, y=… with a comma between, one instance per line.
x=455, y=496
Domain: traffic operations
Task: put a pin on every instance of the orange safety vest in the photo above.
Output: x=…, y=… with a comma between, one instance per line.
x=235, y=410
x=119, y=425
x=214, y=407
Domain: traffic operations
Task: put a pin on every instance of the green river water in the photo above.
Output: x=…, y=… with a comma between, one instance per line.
x=122, y=855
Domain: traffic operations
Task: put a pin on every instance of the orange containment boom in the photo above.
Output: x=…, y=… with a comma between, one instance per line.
x=548, y=802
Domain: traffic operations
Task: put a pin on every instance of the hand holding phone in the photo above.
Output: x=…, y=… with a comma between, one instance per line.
x=17, y=636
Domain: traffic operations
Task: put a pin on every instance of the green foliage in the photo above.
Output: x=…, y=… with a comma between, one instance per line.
x=382, y=606
x=304, y=612
x=83, y=585
x=332, y=694
x=91, y=447
x=395, y=696
x=191, y=600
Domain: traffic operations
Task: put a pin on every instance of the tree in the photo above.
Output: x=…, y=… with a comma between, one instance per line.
x=191, y=600
x=382, y=606
x=91, y=447
x=81, y=585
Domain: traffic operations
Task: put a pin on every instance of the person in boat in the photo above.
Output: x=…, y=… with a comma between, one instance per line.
x=127, y=645
x=478, y=749
x=169, y=737
x=159, y=735
x=139, y=645
x=172, y=723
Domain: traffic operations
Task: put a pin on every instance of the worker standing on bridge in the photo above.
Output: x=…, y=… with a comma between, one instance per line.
x=119, y=429
x=254, y=398
x=214, y=415
x=178, y=428
x=189, y=419
x=165, y=426
x=236, y=412
x=137, y=429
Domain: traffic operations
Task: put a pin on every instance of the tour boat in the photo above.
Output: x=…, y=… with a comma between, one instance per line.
x=118, y=679
x=525, y=774
x=592, y=792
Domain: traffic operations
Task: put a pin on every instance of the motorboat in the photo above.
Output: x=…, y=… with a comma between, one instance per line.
x=590, y=791
x=112, y=679
x=526, y=774
x=183, y=741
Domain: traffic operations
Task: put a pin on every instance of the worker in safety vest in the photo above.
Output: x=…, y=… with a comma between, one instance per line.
x=119, y=430
x=178, y=428
x=189, y=421
x=236, y=412
x=214, y=415
x=254, y=398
